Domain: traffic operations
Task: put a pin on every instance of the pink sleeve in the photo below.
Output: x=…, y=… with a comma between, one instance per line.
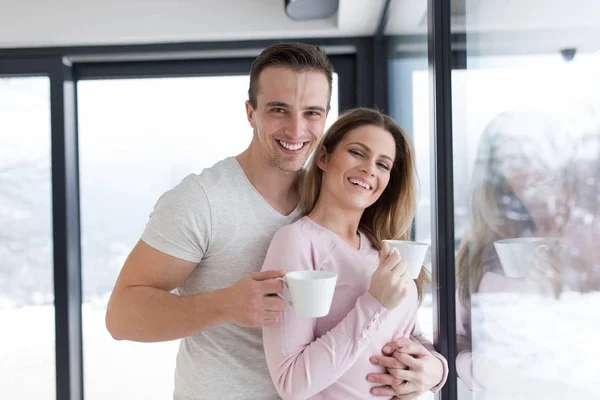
x=302, y=365
x=418, y=334
x=466, y=361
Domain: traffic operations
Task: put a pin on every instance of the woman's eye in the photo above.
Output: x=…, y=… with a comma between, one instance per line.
x=384, y=166
x=356, y=153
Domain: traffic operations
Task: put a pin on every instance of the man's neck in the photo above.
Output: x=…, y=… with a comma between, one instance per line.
x=277, y=187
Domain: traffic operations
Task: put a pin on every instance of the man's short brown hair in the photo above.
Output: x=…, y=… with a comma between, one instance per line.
x=295, y=56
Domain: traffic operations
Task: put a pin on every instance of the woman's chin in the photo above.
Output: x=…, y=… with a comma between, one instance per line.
x=358, y=206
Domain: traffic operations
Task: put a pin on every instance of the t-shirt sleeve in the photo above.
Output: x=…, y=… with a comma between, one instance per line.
x=180, y=224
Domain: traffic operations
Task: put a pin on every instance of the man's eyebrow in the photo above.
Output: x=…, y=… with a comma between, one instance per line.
x=285, y=105
x=364, y=146
x=315, y=108
x=278, y=104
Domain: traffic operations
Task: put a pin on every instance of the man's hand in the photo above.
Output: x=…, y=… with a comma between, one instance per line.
x=252, y=301
x=412, y=370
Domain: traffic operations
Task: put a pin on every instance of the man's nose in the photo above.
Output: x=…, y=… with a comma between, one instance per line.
x=297, y=126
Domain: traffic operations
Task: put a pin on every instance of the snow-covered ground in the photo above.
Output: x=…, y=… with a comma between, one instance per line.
x=534, y=347
x=530, y=348
x=112, y=369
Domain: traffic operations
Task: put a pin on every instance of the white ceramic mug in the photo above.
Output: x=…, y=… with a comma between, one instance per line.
x=517, y=255
x=411, y=252
x=311, y=292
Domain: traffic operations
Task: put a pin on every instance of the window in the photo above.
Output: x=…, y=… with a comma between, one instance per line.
x=27, y=370
x=139, y=138
x=527, y=210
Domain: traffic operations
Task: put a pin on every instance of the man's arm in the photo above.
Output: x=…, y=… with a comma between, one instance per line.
x=142, y=309
x=411, y=370
x=413, y=367
x=433, y=370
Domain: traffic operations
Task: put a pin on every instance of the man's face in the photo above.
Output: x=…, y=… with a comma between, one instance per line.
x=290, y=114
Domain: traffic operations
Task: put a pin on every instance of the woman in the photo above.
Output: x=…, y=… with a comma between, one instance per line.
x=526, y=184
x=359, y=190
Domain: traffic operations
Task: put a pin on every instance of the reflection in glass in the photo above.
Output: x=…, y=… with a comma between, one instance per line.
x=528, y=271
x=139, y=138
x=27, y=351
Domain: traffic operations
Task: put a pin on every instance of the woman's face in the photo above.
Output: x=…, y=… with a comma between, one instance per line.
x=535, y=178
x=358, y=170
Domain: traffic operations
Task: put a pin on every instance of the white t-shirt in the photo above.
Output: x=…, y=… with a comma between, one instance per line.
x=218, y=220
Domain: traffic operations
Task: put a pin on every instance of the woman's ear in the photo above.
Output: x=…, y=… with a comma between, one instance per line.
x=322, y=158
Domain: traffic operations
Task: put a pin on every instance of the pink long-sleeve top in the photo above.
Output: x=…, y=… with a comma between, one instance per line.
x=328, y=357
x=492, y=282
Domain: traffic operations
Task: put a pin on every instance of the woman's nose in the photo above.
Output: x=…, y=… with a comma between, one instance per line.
x=368, y=169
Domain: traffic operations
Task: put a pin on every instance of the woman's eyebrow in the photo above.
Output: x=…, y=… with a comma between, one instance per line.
x=367, y=149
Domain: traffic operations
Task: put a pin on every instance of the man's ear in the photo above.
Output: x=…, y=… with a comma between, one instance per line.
x=322, y=158
x=250, y=114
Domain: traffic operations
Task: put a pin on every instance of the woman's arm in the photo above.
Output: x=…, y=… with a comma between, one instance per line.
x=302, y=365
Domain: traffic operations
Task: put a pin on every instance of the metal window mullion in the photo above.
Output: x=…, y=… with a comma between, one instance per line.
x=440, y=65
x=66, y=232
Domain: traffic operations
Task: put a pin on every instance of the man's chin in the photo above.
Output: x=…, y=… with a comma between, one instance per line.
x=289, y=166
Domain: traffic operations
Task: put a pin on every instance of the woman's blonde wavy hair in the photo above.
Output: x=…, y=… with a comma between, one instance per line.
x=391, y=216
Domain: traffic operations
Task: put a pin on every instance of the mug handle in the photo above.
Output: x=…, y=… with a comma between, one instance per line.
x=542, y=248
x=288, y=302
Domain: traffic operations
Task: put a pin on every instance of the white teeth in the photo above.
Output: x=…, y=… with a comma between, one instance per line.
x=360, y=183
x=292, y=147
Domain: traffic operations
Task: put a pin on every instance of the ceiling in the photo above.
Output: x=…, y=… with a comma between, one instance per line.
x=33, y=23
x=512, y=25
x=410, y=16
x=551, y=24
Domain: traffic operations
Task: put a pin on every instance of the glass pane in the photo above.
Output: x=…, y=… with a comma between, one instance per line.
x=27, y=351
x=526, y=126
x=139, y=138
x=409, y=106
x=408, y=80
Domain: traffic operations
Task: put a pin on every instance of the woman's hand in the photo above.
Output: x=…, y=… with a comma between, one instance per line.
x=389, y=282
x=412, y=370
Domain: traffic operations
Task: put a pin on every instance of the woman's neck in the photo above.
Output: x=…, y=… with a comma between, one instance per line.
x=337, y=219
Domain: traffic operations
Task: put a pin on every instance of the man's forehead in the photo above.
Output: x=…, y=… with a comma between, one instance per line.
x=285, y=85
x=278, y=77
x=280, y=70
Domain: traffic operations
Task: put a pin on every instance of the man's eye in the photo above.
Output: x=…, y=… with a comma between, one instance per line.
x=278, y=110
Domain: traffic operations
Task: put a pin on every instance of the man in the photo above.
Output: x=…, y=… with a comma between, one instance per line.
x=208, y=236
